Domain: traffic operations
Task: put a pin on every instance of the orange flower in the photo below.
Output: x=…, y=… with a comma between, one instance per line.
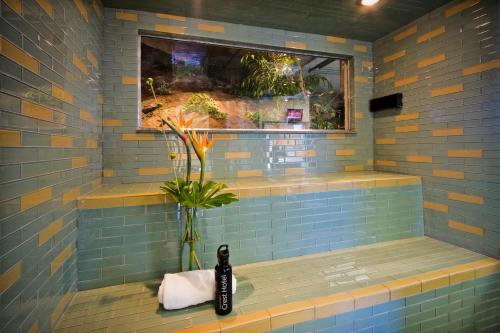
x=200, y=144
x=179, y=126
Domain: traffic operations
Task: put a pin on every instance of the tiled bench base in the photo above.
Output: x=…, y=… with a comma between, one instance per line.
x=404, y=285
x=135, y=241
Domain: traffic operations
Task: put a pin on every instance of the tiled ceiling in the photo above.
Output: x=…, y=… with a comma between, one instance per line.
x=343, y=18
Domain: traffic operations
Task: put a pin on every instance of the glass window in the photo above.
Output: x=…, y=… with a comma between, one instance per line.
x=239, y=87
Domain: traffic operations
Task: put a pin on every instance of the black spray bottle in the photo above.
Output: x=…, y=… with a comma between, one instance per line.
x=223, y=282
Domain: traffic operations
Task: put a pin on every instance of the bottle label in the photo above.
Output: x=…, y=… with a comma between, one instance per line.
x=223, y=291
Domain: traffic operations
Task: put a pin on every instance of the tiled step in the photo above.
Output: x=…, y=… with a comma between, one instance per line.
x=276, y=294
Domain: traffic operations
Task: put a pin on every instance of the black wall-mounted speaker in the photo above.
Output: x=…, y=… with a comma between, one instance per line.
x=394, y=101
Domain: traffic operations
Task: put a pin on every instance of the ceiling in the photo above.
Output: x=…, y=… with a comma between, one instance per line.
x=344, y=18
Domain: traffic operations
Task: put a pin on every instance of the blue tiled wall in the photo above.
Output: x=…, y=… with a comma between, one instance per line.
x=49, y=151
x=446, y=64
x=126, y=244
x=143, y=158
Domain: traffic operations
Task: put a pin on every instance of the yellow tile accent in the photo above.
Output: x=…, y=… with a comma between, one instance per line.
x=129, y=79
x=385, y=141
x=475, y=199
x=395, y=56
x=292, y=313
x=49, y=231
x=152, y=171
x=237, y=155
x=354, y=167
x=35, y=198
x=108, y=172
x=126, y=16
x=34, y=328
x=61, y=258
x=15, y=5
x=294, y=171
x=138, y=137
x=295, y=45
x=212, y=327
x=85, y=115
x=485, y=267
x=431, y=34
x=81, y=8
x=71, y=195
x=433, y=280
x=335, y=39
x=385, y=76
x=360, y=79
x=17, y=55
x=460, y=7
x=360, y=48
x=284, y=142
x=47, y=7
x=406, y=81
x=36, y=111
x=92, y=59
x=78, y=162
x=10, y=277
x=97, y=8
x=328, y=306
x=473, y=153
x=460, y=273
x=335, y=136
x=258, y=321
x=62, y=94
x=171, y=17
x=305, y=153
x=465, y=228
x=436, y=206
x=368, y=65
x=447, y=90
x=108, y=122
x=431, y=61
x=60, y=307
x=448, y=132
x=403, y=287
x=359, y=115
x=80, y=64
x=385, y=163
x=172, y=29
x=406, y=129
x=405, y=33
x=419, y=158
x=249, y=173
x=482, y=67
x=145, y=200
x=224, y=137
x=345, y=152
x=368, y=296
x=211, y=28
x=406, y=116
x=61, y=141
x=10, y=138
x=448, y=174
x=91, y=143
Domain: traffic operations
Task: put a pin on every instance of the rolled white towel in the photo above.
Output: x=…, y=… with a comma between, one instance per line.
x=183, y=289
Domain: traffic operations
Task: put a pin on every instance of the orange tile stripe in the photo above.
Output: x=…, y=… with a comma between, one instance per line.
x=138, y=137
x=335, y=136
x=447, y=90
x=61, y=258
x=237, y=155
x=81, y=8
x=474, y=199
x=385, y=141
x=473, y=153
x=354, y=167
x=80, y=65
x=171, y=17
x=360, y=79
x=448, y=132
x=395, y=56
x=61, y=141
x=34, y=328
x=460, y=7
x=434, y=33
x=406, y=81
x=35, y=198
x=97, y=9
x=431, y=61
x=92, y=59
x=36, y=111
x=406, y=129
x=419, y=158
x=249, y=173
x=78, y=162
x=171, y=29
x=406, y=116
x=15, y=5
x=385, y=163
x=448, y=174
x=224, y=137
x=62, y=94
x=152, y=171
x=337, y=40
x=10, y=138
x=108, y=122
x=385, y=76
x=19, y=56
x=405, y=33
x=47, y=7
x=345, y=152
x=295, y=171
x=126, y=16
x=91, y=143
x=326, y=306
x=108, y=172
x=465, y=228
x=305, y=153
x=438, y=207
x=85, y=115
x=129, y=80
x=71, y=195
x=482, y=67
x=60, y=307
x=360, y=48
x=50, y=231
x=211, y=28
x=295, y=45
x=10, y=277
